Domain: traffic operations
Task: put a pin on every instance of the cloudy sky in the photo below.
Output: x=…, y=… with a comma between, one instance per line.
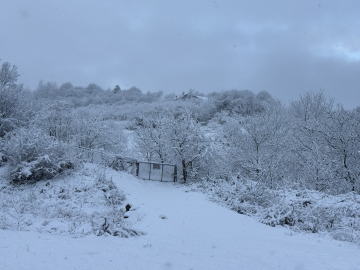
x=285, y=47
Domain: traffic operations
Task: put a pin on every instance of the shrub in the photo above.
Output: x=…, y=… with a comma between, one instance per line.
x=305, y=210
x=35, y=156
x=112, y=195
x=83, y=203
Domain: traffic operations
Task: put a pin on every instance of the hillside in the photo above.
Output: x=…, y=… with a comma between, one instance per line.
x=183, y=230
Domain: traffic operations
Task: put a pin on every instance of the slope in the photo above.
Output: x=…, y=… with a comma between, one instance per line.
x=184, y=230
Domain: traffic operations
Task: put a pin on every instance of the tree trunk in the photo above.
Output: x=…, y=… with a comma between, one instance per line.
x=184, y=170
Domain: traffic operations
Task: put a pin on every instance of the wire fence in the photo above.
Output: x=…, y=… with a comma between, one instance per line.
x=143, y=169
x=115, y=161
x=156, y=171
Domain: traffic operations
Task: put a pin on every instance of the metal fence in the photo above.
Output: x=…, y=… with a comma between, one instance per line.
x=156, y=171
x=145, y=170
x=115, y=161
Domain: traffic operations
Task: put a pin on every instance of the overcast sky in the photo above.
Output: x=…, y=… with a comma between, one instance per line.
x=284, y=47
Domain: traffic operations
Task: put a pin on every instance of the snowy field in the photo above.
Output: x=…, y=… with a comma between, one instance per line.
x=183, y=230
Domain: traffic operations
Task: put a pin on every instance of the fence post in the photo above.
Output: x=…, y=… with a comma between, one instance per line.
x=150, y=171
x=175, y=173
x=162, y=171
x=137, y=168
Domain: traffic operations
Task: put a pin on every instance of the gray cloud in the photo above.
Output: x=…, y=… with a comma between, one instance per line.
x=285, y=47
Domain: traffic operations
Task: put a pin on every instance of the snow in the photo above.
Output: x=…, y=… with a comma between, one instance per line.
x=303, y=210
x=184, y=230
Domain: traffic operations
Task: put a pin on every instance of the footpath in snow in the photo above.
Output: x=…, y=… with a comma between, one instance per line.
x=184, y=230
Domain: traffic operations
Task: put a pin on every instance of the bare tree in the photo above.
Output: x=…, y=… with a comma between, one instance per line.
x=8, y=75
x=313, y=164
x=258, y=145
x=187, y=142
x=172, y=138
x=326, y=144
x=152, y=136
x=9, y=98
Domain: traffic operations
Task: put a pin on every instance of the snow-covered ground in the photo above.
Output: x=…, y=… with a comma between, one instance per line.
x=184, y=230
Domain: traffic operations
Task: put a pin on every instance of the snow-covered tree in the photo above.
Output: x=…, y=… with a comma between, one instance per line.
x=187, y=142
x=326, y=144
x=46, y=90
x=10, y=98
x=56, y=119
x=152, y=136
x=165, y=137
x=258, y=145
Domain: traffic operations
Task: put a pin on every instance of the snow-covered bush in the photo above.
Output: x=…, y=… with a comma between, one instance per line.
x=112, y=194
x=55, y=118
x=15, y=207
x=88, y=127
x=306, y=210
x=111, y=222
x=34, y=156
x=82, y=203
x=315, y=212
x=123, y=164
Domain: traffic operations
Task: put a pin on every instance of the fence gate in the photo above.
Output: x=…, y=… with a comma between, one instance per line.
x=146, y=170
x=156, y=171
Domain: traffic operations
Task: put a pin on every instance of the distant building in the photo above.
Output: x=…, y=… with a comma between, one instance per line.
x=187, y=96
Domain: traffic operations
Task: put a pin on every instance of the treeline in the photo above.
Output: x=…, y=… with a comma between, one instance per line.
x=93, y=94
